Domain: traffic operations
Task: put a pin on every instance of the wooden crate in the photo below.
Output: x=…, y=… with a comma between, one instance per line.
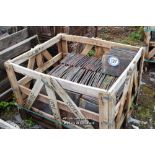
x=149, y=39
x=28, y=90
x=11, y=46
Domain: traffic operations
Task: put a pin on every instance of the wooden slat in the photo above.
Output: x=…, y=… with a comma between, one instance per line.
x=96, y=42
x=103, y=111
x=5, y=125
x=34, y=93
x=86, y=49
x=151, y=53
x=69, y=85
x=36, y=50
x=62, y=105
x=73, y=126
x=47, y=55
x=98, y=51
x=39, y=60
x=16, y=49
x=4, y=85
x=13, y=39
x=111, y=111
x=14, y=83
x=47, y=64
x=53, y=101
x=70, y=103
x=64, y=47
x=123, y=99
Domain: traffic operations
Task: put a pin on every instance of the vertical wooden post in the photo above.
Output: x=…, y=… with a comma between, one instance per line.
x=64, y=48
x=14, y=83
x=111, y=111
x=103, y=111
x=98, y=51
x=140, y=74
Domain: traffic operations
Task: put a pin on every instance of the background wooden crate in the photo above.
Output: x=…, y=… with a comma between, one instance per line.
x=111, y=113
x=11, y=46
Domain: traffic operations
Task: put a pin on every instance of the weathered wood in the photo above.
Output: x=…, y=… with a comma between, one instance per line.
x=72, y=106
x=62, y=105
x=12, y=39
x=98, y=51
x=103, y=111
x=5, y=125
x=4, y=85
x=16, y=49
x=108, y=109
x=111, y=111
x=53, y=101
x=39, y=60
x=67, y=124
x=47, y=55
x=86, y=49
x=151, y=53
x=64, y=48
x=96, y=42
x=36, y=50
x=69, y=85
x=34, y=93
x=14, y=83
x=6, y=96
x=47, y=64
x=123, y=99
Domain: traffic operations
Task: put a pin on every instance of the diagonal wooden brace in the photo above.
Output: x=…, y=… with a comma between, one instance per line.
x=70, y=103
x=34, y=93
x=53, y=101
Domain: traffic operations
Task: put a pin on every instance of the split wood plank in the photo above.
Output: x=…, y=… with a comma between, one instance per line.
x=86, y=49
x=34, y=93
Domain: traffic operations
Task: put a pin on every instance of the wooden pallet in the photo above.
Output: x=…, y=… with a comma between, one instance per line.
x=10, y=47
x=112, y=110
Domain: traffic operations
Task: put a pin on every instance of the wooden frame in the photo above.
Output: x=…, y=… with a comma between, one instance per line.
x=150, y=54
x=112, y=113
